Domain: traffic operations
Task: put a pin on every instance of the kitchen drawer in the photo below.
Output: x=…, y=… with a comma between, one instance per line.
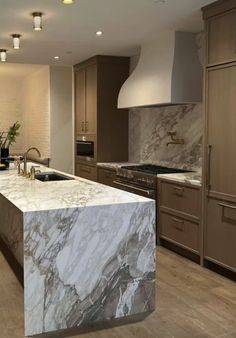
x=180, y=198
x=179, y=231
x=86, y=171
x=106, y=176
x=220, y=233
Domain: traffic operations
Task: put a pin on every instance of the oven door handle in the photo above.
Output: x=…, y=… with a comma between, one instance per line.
x=148, y=192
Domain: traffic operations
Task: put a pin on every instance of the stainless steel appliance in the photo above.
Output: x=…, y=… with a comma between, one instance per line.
x=84, y=148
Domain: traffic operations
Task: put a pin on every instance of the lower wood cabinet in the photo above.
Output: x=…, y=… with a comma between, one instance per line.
x=180, y=231
x=106, y=176
x=86, y=171
x=220, y=233
x=179, y=215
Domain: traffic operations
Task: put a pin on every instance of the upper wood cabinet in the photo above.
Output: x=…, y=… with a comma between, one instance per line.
x=80, y=84
x=221, y=32
x=86, y=100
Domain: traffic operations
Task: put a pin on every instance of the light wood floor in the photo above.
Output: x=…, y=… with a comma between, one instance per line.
x=192, y=302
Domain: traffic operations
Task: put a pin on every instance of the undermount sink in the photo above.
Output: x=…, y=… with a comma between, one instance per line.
x=51, y=177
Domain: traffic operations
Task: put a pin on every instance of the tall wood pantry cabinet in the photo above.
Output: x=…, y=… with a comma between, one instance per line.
x=220, y=135
x=97, y=84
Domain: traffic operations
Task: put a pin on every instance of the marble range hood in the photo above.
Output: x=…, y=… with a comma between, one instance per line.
x=168, y=72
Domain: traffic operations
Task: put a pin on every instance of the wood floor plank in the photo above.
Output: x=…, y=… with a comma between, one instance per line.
x=192, y=302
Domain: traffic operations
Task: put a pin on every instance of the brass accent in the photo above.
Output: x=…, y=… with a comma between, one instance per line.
x=25, y=158
x=33, y=171
x=174, y=140
x=208, y=176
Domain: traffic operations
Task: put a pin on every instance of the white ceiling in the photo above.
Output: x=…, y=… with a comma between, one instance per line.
x=69, y=30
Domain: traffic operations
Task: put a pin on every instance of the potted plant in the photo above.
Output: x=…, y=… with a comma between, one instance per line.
x=6, y=140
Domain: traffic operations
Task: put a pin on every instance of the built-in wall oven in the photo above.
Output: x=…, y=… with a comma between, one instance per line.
x=85, y=148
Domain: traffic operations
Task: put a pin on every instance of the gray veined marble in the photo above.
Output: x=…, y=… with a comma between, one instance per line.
x=148, y=130
x=88, y=257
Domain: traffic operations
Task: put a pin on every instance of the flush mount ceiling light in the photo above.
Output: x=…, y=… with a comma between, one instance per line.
x=16, y=41
x=37, y=21
x=68, y=2
x=99, y=33
x=56, y=57
x=3, y=55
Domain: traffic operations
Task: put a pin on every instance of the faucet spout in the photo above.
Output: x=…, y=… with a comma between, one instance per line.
x=25, y=157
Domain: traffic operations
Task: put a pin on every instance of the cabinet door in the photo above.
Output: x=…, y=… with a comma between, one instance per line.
x=222, y=38
x=221, y=125
x=91, y=99
x=220, y=233
x=80, y=81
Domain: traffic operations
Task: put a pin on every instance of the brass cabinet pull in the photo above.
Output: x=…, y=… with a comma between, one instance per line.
x=82, y=126
x=179, y=191
x=86, y=170
x=208, y=175
x=180, y=222
x=86, y=126
x=223, y=205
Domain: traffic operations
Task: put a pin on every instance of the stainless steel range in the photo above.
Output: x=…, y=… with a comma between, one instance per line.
x=141, y=179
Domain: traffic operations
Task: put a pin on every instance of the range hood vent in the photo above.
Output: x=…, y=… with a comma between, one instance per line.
x=169, y=72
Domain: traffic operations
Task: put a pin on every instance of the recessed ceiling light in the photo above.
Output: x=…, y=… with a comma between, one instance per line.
x=99, y=33
x=16, y=41
x=37, y=21
x=3, y=55
x=56, y=57
x=68, y=2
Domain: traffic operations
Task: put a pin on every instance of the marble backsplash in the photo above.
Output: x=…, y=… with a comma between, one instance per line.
x=148, y=135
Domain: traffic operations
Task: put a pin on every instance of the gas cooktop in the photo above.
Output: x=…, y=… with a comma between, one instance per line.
x=153, y=169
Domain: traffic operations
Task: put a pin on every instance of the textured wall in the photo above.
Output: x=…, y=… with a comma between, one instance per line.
x=10, y=108
x=36, y=110
x=148, y=128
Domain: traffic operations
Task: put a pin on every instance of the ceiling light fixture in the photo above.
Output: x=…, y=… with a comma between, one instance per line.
x=3, y=55
x=68, y=2
x=99, y=33
x=56, y=57
x=16, y=41
x=37, y=21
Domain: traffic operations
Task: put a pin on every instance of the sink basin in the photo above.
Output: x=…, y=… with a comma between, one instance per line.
x=52, y=177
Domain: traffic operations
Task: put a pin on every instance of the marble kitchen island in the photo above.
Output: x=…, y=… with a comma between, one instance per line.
x=87, y=251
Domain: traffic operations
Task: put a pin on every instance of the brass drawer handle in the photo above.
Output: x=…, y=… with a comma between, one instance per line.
x=82, y=126
x=178, y=191
x=180, y=222
x=84, y=170
x=223, y=205
x=86, y=126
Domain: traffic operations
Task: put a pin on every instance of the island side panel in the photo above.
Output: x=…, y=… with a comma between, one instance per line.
x=88, y=264
x=11, y=228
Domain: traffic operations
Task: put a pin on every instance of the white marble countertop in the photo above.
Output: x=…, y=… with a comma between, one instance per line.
x=114, y=165
x=192, y=178
x=28, y=195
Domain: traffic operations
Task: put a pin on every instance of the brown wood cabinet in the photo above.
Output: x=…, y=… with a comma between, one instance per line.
x=219, y=188
x=86, y=171
x=106, y=176
x=179, y=214
x=221, y=34
x=97, y=85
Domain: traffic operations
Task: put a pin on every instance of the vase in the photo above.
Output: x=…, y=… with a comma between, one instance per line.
x=4, y=156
